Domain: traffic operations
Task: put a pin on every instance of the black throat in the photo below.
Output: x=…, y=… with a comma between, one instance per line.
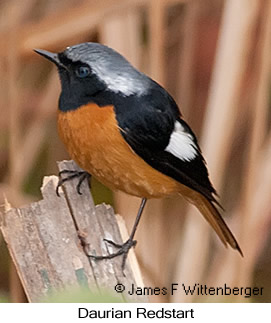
x=76, y=93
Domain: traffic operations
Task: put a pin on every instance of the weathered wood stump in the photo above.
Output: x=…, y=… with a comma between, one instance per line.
x=45, y=242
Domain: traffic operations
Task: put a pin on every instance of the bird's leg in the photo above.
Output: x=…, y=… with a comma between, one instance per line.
x=71, y=174
x=127, y=245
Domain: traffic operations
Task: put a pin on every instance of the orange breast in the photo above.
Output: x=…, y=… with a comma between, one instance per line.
x=93, y=140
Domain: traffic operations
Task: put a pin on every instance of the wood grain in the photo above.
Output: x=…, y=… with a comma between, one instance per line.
x=44, y=241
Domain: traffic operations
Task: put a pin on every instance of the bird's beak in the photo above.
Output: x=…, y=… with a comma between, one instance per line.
x=53, y=57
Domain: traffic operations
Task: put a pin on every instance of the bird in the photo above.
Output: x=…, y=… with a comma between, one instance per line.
x=126, y=130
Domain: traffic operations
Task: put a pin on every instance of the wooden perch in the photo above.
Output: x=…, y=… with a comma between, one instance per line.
x=44, y=242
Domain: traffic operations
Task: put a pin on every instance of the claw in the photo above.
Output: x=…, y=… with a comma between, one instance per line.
x=113, y=243
x=72, y=174
x=123, y=250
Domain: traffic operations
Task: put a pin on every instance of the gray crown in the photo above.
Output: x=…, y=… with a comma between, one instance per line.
x=110, y=67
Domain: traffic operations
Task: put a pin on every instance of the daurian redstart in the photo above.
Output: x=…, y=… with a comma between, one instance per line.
x=127, y=131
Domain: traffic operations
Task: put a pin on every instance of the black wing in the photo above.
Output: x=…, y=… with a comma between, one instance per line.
x=147, y=123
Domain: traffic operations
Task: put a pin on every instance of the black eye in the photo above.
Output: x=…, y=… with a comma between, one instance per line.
x=82, y=71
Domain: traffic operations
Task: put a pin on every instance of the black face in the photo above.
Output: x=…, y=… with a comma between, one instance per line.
x=79, y=83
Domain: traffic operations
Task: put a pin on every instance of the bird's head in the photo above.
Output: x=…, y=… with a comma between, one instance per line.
x=90, y=68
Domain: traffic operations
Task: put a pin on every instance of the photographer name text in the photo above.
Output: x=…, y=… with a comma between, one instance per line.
x=192, y=290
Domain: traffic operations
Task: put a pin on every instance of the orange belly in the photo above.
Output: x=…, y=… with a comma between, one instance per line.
x=92, y=138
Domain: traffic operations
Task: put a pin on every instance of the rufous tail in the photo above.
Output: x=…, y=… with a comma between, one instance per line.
x=212, y=215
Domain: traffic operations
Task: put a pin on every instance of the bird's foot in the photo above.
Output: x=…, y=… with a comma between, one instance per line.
x=123, y=251
x=69, y=175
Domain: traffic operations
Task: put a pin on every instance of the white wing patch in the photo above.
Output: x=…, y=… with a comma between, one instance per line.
x=181, y=144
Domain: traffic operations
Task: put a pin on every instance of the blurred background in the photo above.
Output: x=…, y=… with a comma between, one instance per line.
x=213, y=56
